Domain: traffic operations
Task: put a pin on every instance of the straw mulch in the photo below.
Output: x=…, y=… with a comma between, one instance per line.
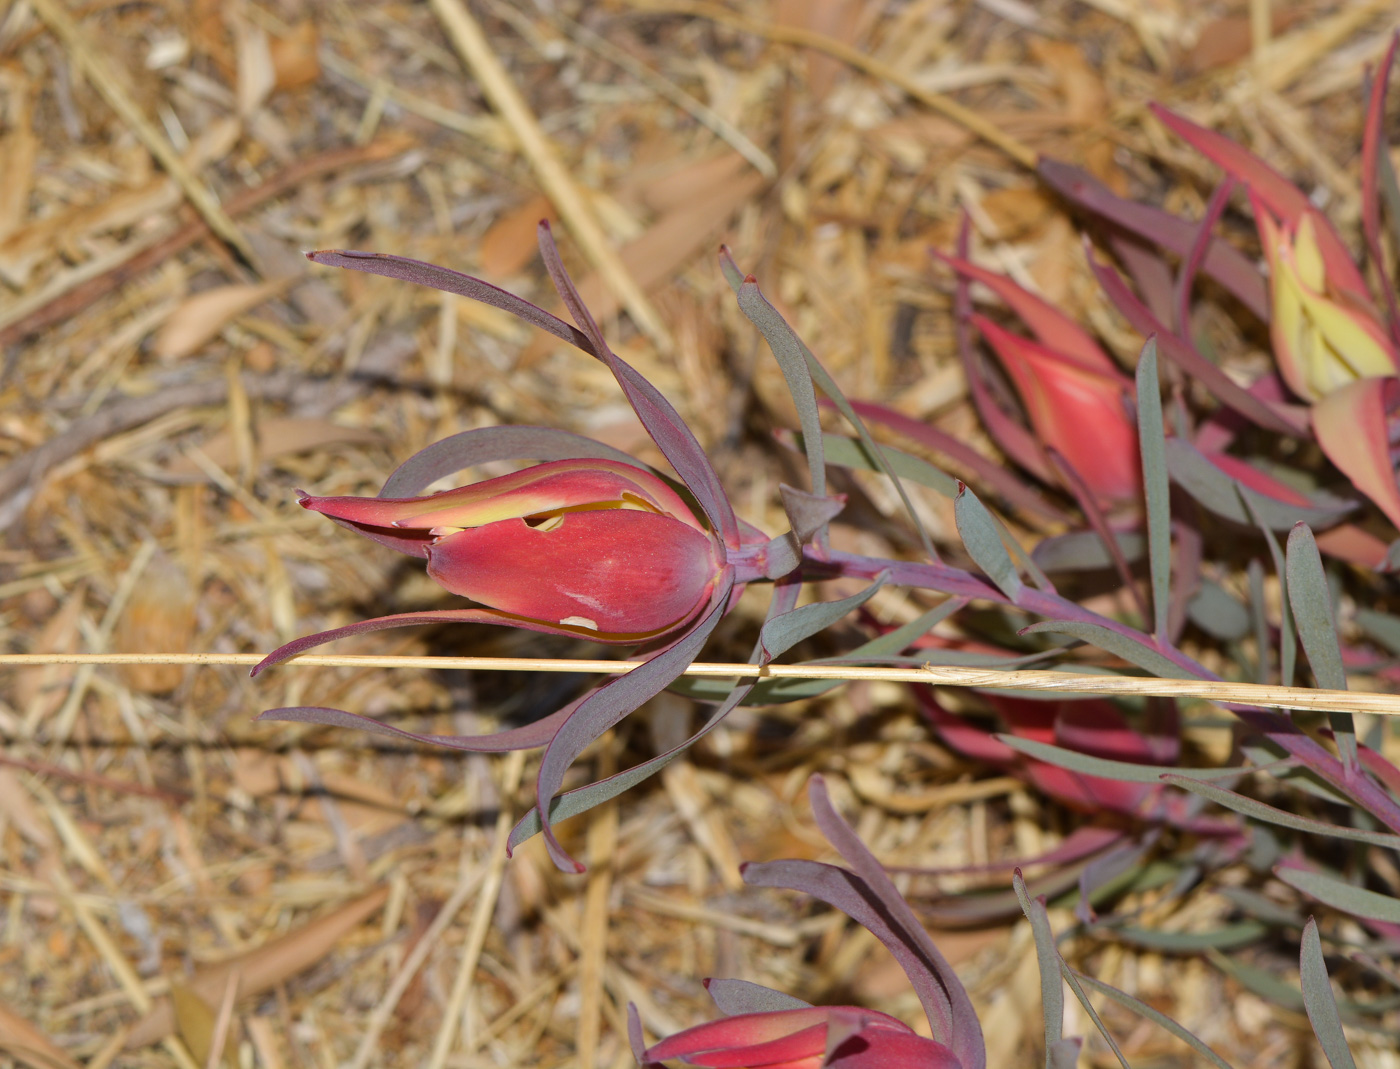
x=179, y=885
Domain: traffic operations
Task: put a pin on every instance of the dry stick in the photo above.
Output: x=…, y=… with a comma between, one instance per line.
x=481, y=916
x=934, y=675
x=471, y=43
x=796, y=35
x=134, y=258
x=105, y=81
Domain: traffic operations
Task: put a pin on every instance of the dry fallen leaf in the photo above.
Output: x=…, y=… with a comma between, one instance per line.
x=196, y=1021
x=159, y=618
x=19, y=149
x=510, y=243
x=263, y=968
x=26, y=1044
x=294, y=56
x=201, y=317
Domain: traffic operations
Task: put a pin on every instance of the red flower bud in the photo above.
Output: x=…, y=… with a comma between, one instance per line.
x=592, y=544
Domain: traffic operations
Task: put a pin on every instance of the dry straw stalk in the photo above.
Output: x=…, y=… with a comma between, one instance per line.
x=937, y=675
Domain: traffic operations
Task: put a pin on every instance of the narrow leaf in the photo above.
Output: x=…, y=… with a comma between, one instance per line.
x=1052, y=992
x=1152, y=445
x=1084, y=551
x=1227, y=265
x=1319, y=1001
x=1232, y=935
x=1115, y=642
x=1260, y=811
x=988, y=471
x=787, y=349
x=1156, y=1016
x=1124, y=771
x=982, y=539
x=1213, y=488
x=852, y=453
x=1288, y=646
x=824, y=382
x=1346, y=897
x=1259, y=619
x=1218, y=613
x=742, y=996
x=1311, y=602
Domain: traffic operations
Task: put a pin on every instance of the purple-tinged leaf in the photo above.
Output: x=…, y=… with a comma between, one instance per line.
x=1251, y=807
x=449, y=281
x=1373, y=147
x=1186, y=575
x=1195, y=255
x=1052, y=328
x=1132, y=651
x=1209, y=483
x=824, y=382
x=636, y=1040
x=1151, y=274
x=1279, y=195
x=1142, y=1009
x=742, y=996
x=988, y=471
x=1311, y=601
x=809, y=513
x=657, y=415
x=1222, y=262
x=1152, y=447
x=982, y=539
x=1346, y=897
x=785, y=627
x=1013, y=439
x=955, y=1024
x=525, y=737
x=1124, y=771
x=437, y=616
x=612, y=701
x=1052, y=989
x=486, y=444
x=1320, y=1003
x=848, y=892
x=1222, y=387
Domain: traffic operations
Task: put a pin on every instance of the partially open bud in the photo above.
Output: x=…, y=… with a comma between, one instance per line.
x=593, y=544
x=1078, y=410
x=1322, y=339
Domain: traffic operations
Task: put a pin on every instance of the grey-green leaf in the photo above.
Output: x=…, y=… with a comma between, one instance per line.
x=1311, y=602
x=1152, y=442
x=1347, y=897
x=1320, y=1003
x=1149, y=660
x=982, y=537
x=1210, y=486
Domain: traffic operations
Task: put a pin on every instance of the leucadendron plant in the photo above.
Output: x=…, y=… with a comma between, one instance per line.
x=767, y=1029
